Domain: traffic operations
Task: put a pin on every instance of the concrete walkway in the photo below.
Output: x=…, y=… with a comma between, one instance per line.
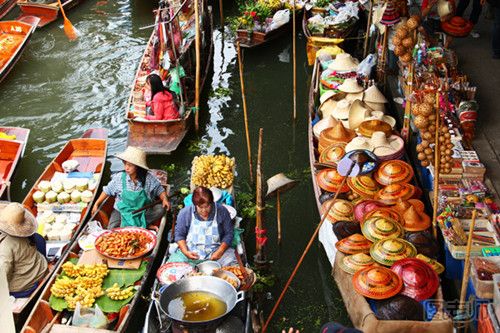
x=474, y=57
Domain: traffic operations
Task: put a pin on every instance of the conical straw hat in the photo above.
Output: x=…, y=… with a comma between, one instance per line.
x=419, y=279
x=337, y=133
x=351, y=86
x=379, y=115
x=344, y=62
x=279, y=182
x=388, y=251
x=368, y=127
x=333, y=154
x=134, y=155
x=326, y=122
x=393, y=172
x=415, y=220
x=354, y=262
x=354, y=244
x=16, y=220
x=377, y=228
x=358, y=112
x=374, y=95
x=377, y=282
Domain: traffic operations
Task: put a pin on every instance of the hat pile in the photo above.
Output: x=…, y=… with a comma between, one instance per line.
x=390, y=194
x=384, y=212
x=387, y=147
x=338, y=133
x=368, y=127
x=374, y=98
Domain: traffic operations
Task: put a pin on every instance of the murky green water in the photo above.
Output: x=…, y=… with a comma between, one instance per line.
x=60, y=88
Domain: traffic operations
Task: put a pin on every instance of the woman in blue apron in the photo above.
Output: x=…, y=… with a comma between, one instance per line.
x=133, y=189
x=204, y=231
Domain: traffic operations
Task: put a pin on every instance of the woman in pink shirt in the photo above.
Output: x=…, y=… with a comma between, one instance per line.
x=162, y=101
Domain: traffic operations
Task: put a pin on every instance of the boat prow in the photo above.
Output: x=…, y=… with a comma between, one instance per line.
x=46, y=12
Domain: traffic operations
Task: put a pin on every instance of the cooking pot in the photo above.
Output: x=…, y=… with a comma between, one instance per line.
x=211, y=284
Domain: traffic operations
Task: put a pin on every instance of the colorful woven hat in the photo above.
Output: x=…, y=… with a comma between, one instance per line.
x=384, y=212
x=391, y=193
x=330, y=180
x=393, y=172
x=342, y=210
x=401, y=206
x=353, y=263
x=379, y=115
x=431, y=262
x=368, y=127
x=399, y=307
x=457, y=27
x=390, y=16
x=364, y=186
x=415, y=220
x=365, y=207
x=377, y=228
x=333, y=154
x=419, y=279
x=344, y=229
x=377, y=282
x=424, y=242
x=388, y=251
x=353, y=244
x=338, y=133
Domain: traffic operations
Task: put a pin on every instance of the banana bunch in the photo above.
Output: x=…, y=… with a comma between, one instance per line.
x=75, y=271
x=63, y=286
x=88, y=282
x=86, y=301
x=213, y=171
x=71, y=269
x=115, y=293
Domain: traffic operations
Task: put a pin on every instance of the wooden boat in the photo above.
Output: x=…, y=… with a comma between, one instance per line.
x=6, y=6
x=47, y=12
x=14, y=36
x=90, y=151
x=44, y=319
x=359, y=310
x=164, y=136
x=11, y=151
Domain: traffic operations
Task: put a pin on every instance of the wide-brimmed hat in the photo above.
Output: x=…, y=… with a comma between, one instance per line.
x=374, y=95
x=368, y=127
x=457, y=27
x=134, y=155
x=279, y=182
x=341, y=112
x=329, y=101
x=377, y=228
x=364, y=207
x=353, y=263
x=357, y=143
x=330, y=181
x=342, y=210
x=391, y=193
x=437, y=266
x=399, y=307
x=353, y=244
x=377, y=282
x=337, y=133
x=415, y=220
x=379, y=115
x=323, y=124
x=393, y=172
x=363, y=185
x=388, y=251
x=344, y=62
x=387, y=148
x=424, y=243
x=383, y=212
x=16, y=220
x=343, y=229
x=402, y=205
x=358, y=112
x=351, y=86
x=333, y=154
x=420, y=281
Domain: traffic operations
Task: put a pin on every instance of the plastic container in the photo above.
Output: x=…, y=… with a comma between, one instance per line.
x=484, y=288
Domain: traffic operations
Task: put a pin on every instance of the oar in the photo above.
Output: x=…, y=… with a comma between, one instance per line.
x=69, y=29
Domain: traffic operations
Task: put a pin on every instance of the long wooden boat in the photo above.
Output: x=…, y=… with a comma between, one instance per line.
x=6, y=6
x=11, y=151
x=90, y=152
x=359, y=310
x=14, y=36
x=47, y=12
x=21, y=135
x=45, y=319
x=164, y=136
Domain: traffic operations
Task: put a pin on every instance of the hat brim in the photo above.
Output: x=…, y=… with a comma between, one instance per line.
x=28, y=228
x=125, y=158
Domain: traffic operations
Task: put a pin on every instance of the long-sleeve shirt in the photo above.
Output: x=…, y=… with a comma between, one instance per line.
x=163, y=107
x=224, y=223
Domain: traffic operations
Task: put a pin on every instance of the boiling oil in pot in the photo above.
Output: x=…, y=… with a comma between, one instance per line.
x=197, y=306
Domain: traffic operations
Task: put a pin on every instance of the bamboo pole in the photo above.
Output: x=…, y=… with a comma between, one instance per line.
x=245, y=115
x=405, y=132
x=198, y=67
x=278, y=215
x=436, y=172
x=367, y=34
x=221, y=12
x=294, y=46
x=258, y=191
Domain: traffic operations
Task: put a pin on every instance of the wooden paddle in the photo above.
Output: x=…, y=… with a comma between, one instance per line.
x=69, y=29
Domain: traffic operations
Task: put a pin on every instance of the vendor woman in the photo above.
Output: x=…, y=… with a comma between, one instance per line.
x=133, y=189
x=22, y=262
x=204, y=231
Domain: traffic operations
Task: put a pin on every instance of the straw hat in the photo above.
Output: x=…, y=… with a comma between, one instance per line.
x=353, y=244
x=358, y=112
x=379, y=115
x=353, y=263
x=393, y=172
x=15, y=220
x=374, y=95
x=387, y=148
x=377, y=228
x=419, y=279
x=383, y=212
x=279, y=182
x=415, y=220
x=342, y=210
x=326, y=122
x=134, y=155
x=354, y=96
x=337, y=133
x=377, y=282
x=380, y=107
x=329, y=101
x=399, y=307
x=401, y=206
x=330, y=181
x=351, y=86
x=388, y=251
x=365, y=207
x=326, y=96
x=424, y=242
x=341, y=112
x=370, y=126
x=431, y=262
x=363, y=185
x=333, y=154
x=457, y=26
x=391, y=193
x=344, y=62
x=358, y=143
x=344, y=229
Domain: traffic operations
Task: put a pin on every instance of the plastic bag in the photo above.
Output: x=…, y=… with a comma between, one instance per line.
x=280, y=18
x=365, y=67
x=89, y=317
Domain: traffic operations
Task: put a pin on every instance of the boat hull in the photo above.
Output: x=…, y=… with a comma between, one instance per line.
x=46, y=12
x=6, y=6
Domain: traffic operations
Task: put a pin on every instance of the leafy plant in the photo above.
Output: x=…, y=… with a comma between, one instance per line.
x=322, y=3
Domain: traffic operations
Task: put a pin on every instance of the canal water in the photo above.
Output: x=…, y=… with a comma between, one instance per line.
x=59, y=88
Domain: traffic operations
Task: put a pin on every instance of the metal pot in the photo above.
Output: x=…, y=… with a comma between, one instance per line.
x=220, y=288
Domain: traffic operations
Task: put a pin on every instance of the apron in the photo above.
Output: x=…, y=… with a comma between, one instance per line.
x=130, y=201
x=203, y=236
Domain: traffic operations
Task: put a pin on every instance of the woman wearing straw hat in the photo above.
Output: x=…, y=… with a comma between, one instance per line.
x=133, y=189
x=22, y=263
